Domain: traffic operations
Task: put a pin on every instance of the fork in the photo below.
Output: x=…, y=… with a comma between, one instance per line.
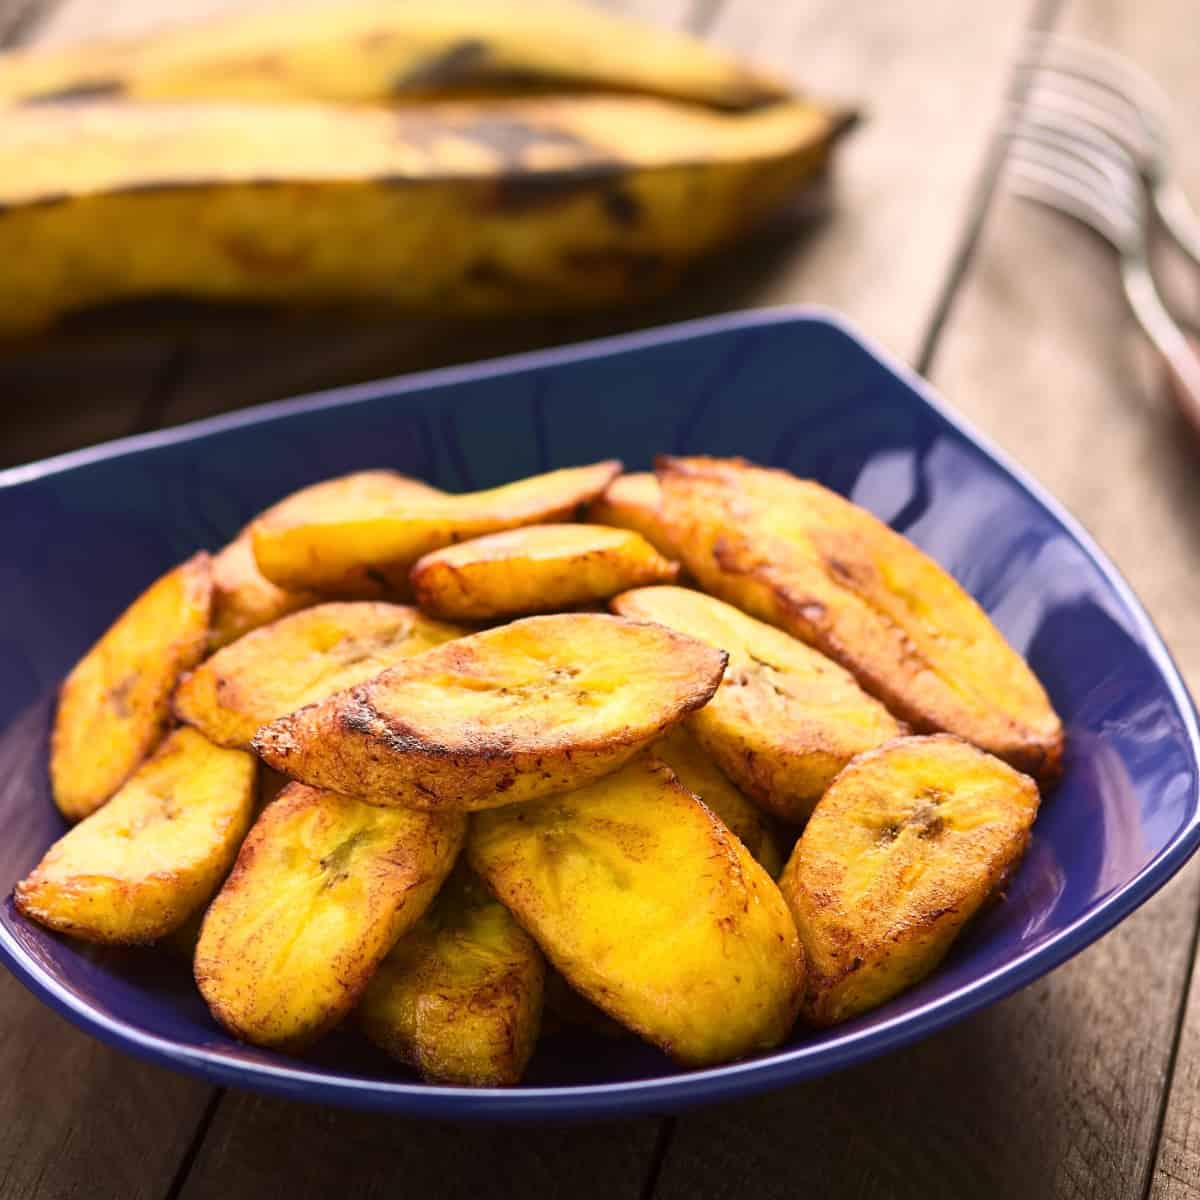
x=1089, y=141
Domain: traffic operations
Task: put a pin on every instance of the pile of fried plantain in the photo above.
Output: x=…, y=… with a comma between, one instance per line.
x=454, y=828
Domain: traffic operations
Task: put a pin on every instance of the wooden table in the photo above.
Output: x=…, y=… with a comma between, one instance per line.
x=1085, y=1084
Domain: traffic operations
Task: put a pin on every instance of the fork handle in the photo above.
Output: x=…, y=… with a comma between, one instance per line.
x=1178, y=218
x=1180, y=352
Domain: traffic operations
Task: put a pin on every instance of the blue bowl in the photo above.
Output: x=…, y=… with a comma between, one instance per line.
x=82, y=534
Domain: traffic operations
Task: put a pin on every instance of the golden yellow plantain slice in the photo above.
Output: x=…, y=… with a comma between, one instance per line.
x=805, y=559
x=652, y=909
x=634, y=501
x=500, y=717
x=139, y=867
x=901, y=852
x=299, y=660
x=785, y=719
x=363, y=538
x=322, y=888
x=460, y=996
x=702, y=777
x=541, y=568
x=116, y=702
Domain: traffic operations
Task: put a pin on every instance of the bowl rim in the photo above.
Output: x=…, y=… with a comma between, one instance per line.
x=684, y=1089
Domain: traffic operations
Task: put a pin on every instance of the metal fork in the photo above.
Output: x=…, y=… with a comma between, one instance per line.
x=1097, y=161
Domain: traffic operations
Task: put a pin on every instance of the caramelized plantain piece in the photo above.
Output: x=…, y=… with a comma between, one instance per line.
x=298, y=660
x=702, y=777
x=634, y=501
x=322, y=888
x=460, y=996
x=566, y=1008
x=803, y=558
x=785, y=719
x=243, y=598
x=540, y=568
x=114, y=706
x=138, y=868
x=356, y=540
x=901, y=852
x=652, y=910
x=500, y=717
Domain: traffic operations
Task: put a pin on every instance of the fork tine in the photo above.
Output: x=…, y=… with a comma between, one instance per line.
x=1049, y=99
x=1030, y=181
x=1080, y=141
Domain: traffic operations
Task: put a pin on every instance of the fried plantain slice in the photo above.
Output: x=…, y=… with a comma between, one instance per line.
x=359, y=540
x=634, y=501
x=900, y=853
x=803, y=558
x=460, y=995
x=565, y=1008
x=114, y=706
x=499, y=717
x=322, y=888
x=243, y=598
x=785, y=719
x=702, y=777
x=539, y=568
x=136, y=869
x=298, y=660
x=652, y=910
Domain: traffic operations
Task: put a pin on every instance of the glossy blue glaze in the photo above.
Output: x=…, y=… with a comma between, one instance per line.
x=80, y=535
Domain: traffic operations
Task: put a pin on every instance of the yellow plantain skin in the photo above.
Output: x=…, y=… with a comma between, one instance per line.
x=634, y=501
x=359, y=538
x=114, y=706
x=138, y=868
x=323, y=887
x=541, y=568
x=804, y=558
x=379, y=51
x=460, y=996
x=500, y=717
x=901, y=852
x=704, y=779
x=299, y=660
x=513, y=205
x=785, y=719
x=652, y=910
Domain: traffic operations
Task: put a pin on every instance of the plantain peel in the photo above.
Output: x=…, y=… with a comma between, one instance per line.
x=298, y=660
x=500, y=717
x=652, y=910
x=545, y=204
x=803, y=558
x=138, y=868
x=323, y=887
x=634, y=501
x=541, y=568
x=376, y=51
x=785, y=719
x=904, y=848
x=697, y=772
x=114, y=706
x=459, y=998
x=355, y=538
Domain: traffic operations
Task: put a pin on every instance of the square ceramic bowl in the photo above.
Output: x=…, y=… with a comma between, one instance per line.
x=82, y=534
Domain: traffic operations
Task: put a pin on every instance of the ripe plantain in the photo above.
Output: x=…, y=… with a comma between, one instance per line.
x=805, y=559
x=499, y=717
x=530, y=205
x=541, y=568
x=460, y=996
x=138, y=868
x=634, y=501
x=298, y=660
x=380, y=51
x=785, y=719
x=359, y=537
x=652, y=910
x=115, y=704
x=901, y=852
x=322, y=888
x=702, y=777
